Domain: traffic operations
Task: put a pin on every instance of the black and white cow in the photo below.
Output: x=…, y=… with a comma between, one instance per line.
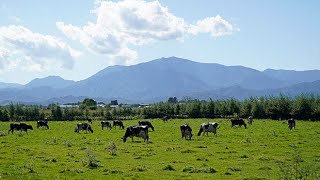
x=186, y=131
x=83, y=126
x=118, y=123
x=291, y=123
x=146, y=123
x=106, y=124
x=137, y=131
x=208, y=127
x=21, y=127
x=239, y=122
x=250, y=120
x=42, y=123
x=165, y=118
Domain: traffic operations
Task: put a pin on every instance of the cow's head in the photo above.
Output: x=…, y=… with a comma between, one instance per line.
x=29, y=127
x=152, y=127
x=90, y=129
x=215, y=125
x=124, y=138
x=200, y=131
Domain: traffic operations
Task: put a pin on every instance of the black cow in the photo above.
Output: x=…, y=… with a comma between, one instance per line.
x=21, y=127
x=208, y=127
x=291, y=123
x=239, y=122
x=138, y=131
x=118, y=123
x=186, y=131
x=146, y=123
x=89, y=120
x=83, y=126
x=106, y=124
x=42, y=123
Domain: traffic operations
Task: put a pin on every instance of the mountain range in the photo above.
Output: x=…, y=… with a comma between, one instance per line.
x=159, y=79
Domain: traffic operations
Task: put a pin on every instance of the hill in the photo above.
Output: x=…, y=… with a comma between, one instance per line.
x=158, y=79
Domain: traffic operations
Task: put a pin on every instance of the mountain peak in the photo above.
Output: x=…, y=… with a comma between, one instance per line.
x=49, y=81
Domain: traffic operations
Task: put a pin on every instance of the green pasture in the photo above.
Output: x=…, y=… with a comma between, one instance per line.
x=265, y=150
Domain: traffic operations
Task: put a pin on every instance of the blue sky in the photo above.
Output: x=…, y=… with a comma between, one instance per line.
x=75, y=39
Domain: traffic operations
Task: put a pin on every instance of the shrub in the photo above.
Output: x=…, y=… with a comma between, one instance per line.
x=112, y=148
x=91, y=161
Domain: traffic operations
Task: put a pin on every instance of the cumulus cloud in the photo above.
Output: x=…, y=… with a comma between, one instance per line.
x=33, y=51
x=124, y=24
x=215, y=26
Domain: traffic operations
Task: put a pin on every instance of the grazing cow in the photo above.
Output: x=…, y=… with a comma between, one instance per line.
x=146, y=123
x=165, y=118
x=138, y=131
x=21, y=127
x=186, y=131
x=250, y=119
x=90, y=120
x=291, y=123
x=208, y=127
x=106, y=124
x=83, y=126
x=118, y=123
x=42, y=123
x=239, y=122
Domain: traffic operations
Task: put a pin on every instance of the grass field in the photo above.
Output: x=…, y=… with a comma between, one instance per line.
x=265, y=150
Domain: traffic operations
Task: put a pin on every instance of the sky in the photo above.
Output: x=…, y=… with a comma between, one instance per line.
x=75, y=39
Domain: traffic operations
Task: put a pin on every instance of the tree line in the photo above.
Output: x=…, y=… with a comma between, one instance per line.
x=304, y=107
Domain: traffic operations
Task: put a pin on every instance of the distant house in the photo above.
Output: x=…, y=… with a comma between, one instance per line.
x=69, y=106
x=114, y=106
x=101, y=105
x=143, y=105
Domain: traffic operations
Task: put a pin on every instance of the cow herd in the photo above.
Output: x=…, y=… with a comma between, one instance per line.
x=141, y=130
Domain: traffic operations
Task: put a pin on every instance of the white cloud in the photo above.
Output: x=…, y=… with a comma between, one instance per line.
x=216, y=26
x=20, y=47
x=124, y=24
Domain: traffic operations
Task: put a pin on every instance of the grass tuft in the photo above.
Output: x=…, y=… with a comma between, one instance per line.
x=188, y=151
x=112, y=171
x=233, y=168
x=169, y=167
x=244, y=156
x=91, y=161
x=140, y=168
x=192, y=169
x=112, y=148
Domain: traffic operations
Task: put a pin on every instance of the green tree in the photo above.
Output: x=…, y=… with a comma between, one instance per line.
x=173, y=100
x=114, y=102
x=88, y=104
x=302, y=108
x=56, y=113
